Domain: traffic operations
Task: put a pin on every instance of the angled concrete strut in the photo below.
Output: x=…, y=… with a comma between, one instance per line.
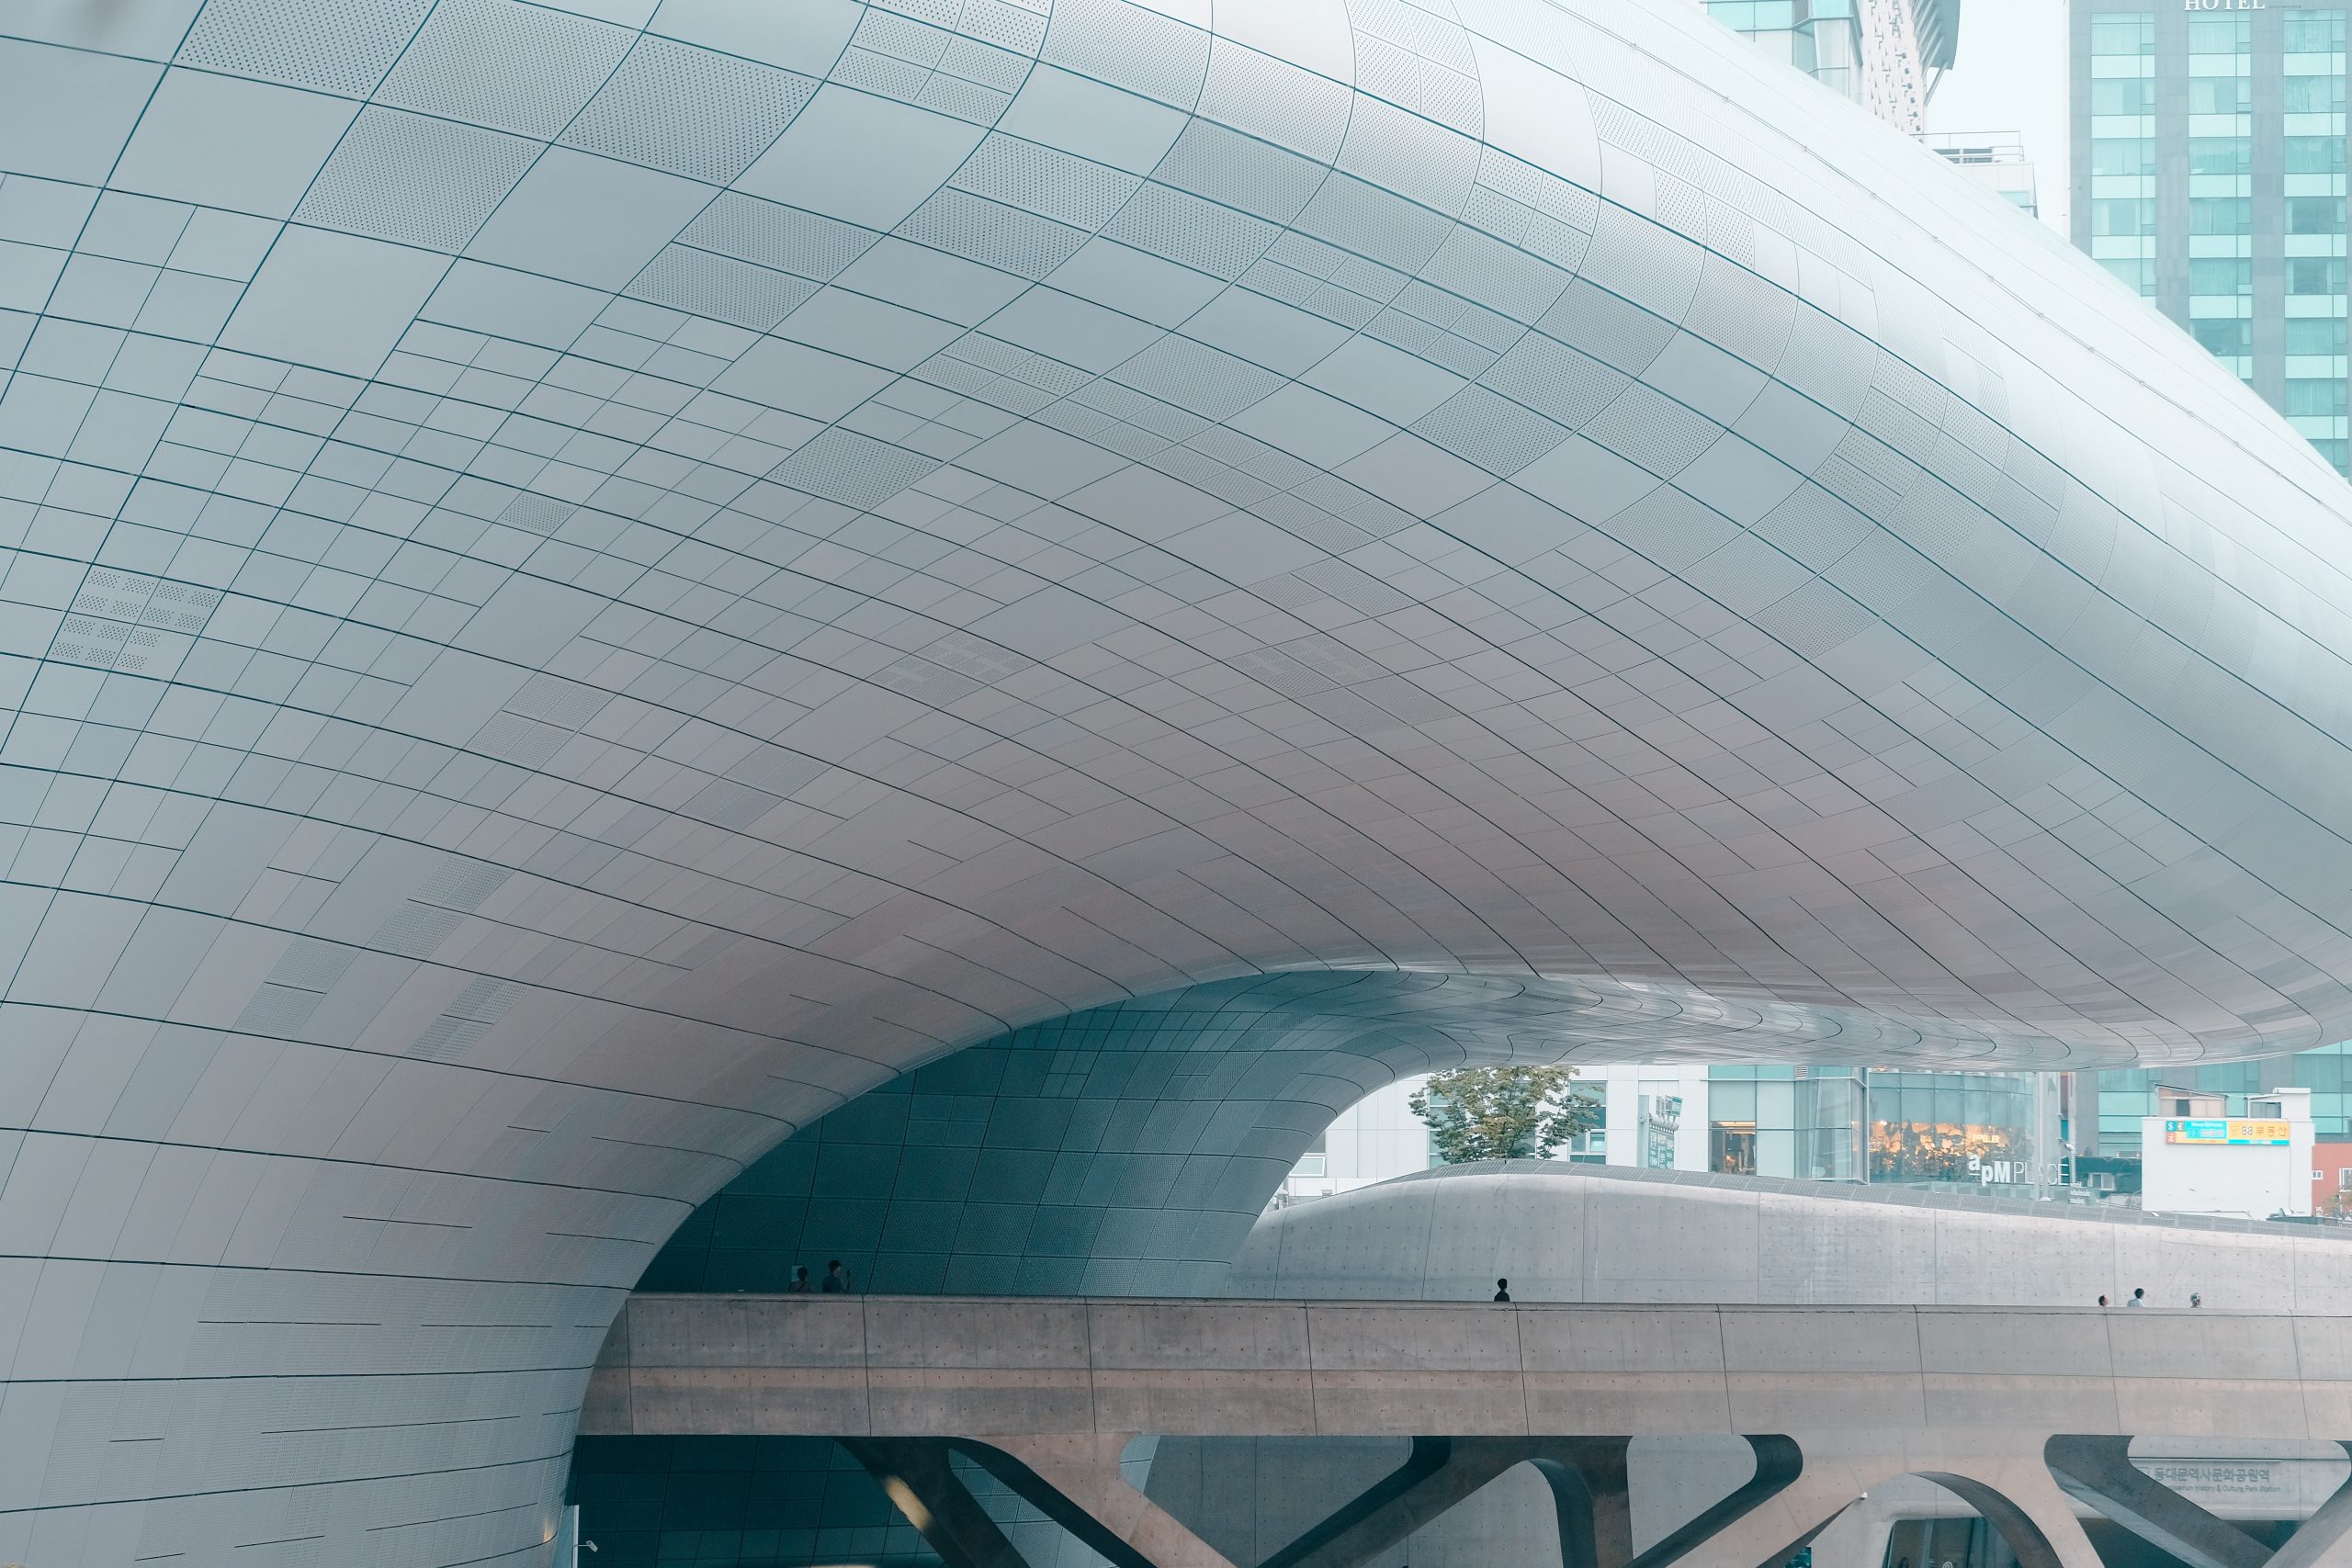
x=1077, y=1482
x=2324, y=1540
x=2097, y=1471
x=1592, y=1499
x=914, y=1473
x=1439, y=1474
x=2015, y=1523
x=1778, y=1463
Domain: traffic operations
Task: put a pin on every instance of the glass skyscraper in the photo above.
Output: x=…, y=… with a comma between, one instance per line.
x=2208, y=165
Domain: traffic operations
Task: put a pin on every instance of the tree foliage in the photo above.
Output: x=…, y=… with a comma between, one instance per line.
x=1510, y=1113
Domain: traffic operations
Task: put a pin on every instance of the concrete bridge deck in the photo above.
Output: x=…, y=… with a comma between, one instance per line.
x=960, y=1366
x=2020, y=1411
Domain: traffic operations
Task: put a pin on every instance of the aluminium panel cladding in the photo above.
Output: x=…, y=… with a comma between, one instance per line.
x=584, y=584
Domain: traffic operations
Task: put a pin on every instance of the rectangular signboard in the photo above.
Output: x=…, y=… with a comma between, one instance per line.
x=2216, y=1130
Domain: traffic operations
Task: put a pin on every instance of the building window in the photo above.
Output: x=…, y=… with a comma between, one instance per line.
x=2229, y=337
x=2221, y=275
x=2220, y=215
x=2122, y=216
x=2220, y=35
x=2209, y=94
x=1731, y=1147
x=2308, y=154
x=2314, y=32
x=2126, y=94
x=2132, y=34
x=2311, y=334
x=2314, y=214
x=2314, y=275
x=2309, y=399
x=2220, y=156
x=2314, y=95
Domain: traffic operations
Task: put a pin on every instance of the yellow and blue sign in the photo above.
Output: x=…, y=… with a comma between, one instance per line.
x=2217, y=1130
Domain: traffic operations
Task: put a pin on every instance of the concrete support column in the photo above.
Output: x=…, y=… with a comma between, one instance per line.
x=1592, y=1499
x=1076, y=1481
x=2324, y=1540
x=2099, y=1472
x=915, y=1475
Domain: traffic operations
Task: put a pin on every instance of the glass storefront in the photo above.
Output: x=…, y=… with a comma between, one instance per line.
x=1936, y=1128
x=1904, y=1128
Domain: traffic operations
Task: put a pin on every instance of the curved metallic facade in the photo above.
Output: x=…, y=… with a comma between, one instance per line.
x=583, y=585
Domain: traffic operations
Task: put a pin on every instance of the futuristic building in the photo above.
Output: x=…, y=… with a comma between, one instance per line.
x=585, y=585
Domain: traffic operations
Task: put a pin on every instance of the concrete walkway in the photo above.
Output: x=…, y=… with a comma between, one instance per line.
x=887, y=1366
x=1047, y=1393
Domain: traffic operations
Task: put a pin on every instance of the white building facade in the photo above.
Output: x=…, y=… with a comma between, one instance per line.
x=2198, y=1159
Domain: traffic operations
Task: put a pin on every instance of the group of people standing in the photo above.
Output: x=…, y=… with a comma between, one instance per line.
x=834, y=1283
x=2140, y=1298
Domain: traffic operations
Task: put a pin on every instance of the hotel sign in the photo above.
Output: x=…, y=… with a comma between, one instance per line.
x=2224, y=5
x=2230, y=1131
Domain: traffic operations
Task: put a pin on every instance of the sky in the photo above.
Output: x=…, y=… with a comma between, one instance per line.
x=2010, y=75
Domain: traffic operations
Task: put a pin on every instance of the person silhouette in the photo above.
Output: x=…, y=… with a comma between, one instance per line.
x=1502, y=1289
x=799, y=1285
x=835, y=1282
x=2139, y=1297
x=2102, y=1301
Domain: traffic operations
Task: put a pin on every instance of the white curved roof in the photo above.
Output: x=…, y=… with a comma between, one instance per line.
x=582, y=581
x=1588, y=1233
x=792, y=534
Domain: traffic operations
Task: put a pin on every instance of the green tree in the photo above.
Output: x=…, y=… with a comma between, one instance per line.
x=1511, y=1112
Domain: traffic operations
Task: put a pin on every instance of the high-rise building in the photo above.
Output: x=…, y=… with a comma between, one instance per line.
x=1884, y=54
x=2207, y=164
